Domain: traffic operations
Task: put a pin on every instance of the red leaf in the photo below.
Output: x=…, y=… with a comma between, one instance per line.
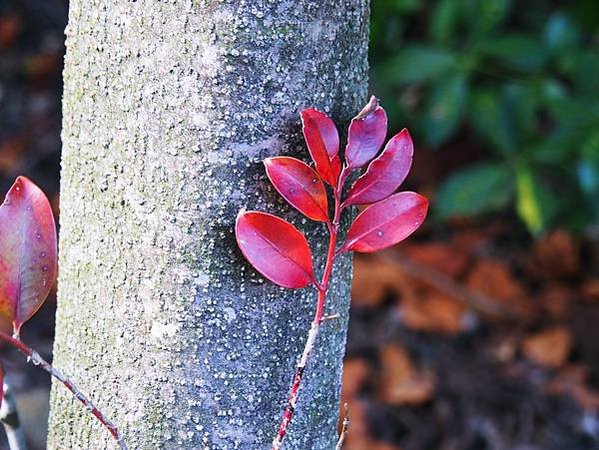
x=28, y=256
x=320, y=131
x=275, y=248
x=300, y=185
x=335, y=168
x=322, y=140
x=366, y=134
x=386, y=223
x=384, y=174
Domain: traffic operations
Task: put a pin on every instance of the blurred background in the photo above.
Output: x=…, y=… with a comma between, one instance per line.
x=482, y=331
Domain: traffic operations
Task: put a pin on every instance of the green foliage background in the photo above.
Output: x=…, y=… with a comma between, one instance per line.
x=521, y=78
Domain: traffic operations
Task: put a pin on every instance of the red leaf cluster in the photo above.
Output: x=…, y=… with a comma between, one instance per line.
x=279, y=251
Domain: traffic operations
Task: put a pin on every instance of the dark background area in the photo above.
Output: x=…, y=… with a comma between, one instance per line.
x=480, y=332
x=31, y=57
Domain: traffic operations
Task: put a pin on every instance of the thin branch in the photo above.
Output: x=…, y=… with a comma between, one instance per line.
x=331, y=317
x=9, y=416
x=333, y=227
x=344, y=429
x=37, y=360
x=297, y=380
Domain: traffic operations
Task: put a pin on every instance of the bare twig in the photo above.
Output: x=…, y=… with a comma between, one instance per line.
x=333, y=228
x=37, y=360
x=9, y=416
x=331, y=317
x=344, y=429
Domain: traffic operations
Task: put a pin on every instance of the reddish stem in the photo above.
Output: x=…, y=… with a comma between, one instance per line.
x=333, y=227
x=37, y=360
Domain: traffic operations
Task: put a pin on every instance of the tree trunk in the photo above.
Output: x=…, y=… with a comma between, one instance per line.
x=169, y=108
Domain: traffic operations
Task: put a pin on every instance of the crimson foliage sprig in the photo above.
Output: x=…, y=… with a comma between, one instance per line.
x=281, y=253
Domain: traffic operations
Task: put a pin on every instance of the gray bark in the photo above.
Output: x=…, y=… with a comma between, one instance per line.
x=169, y=107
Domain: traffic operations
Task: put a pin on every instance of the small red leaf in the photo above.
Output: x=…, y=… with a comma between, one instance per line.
x=300, y=185
x=386, y=173
x=322, y=140
x=386, y=223
x=28, y=255
x=320, y=131
x=366, y=134
x=275, y=248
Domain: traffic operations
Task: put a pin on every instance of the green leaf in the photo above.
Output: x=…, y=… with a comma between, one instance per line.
x=573, y=111
x=444, y=109
x=516, y=51
x=582, y=68
x=588, y=176
x=491, y=122
x=475, y=190
x=405, y=6
x=556, y=149
x=560, y=33
x=521, y=103
x=485, y=16
x=444, y=21
x=535, y=204
x=588, y=172
x=418, y=64
x=387, y=26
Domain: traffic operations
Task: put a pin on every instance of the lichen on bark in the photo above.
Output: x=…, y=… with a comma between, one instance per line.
x=169, y=107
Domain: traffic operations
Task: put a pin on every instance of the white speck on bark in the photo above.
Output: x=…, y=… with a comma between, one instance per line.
x=169, y=107
x=160, y=330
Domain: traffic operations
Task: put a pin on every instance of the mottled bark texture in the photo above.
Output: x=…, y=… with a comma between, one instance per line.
x=169, y=108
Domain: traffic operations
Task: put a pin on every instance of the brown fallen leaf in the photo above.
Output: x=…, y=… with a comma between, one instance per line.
x=555, y=299
x=400, y=382
x=10, y=28
x=556, y=256
x=373, y=280
x=11, y=153
x=433, y=312
x=356, y=371
x=590, y=290
x=495, y=279
x=40, y=66
x=441, y=257
x=549, y=348
x=469, y=241
x=572, y=381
